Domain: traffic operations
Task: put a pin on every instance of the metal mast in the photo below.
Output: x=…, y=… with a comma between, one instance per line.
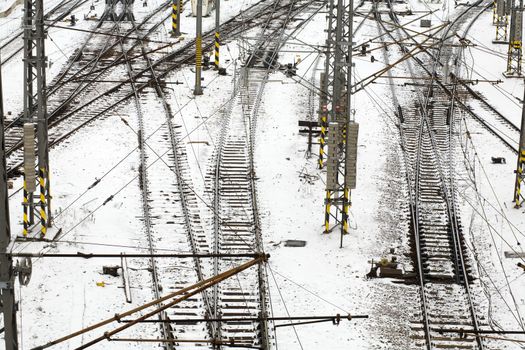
x=198, y=53
x=35, y=104
x=515, y=41
x=501, y=21
x=342, y=130
x=7, y=276
x=520, y=169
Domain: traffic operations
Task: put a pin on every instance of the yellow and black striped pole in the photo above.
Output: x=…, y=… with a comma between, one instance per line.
x=346, y=205
x=175, y=17
x=217, y=31
x=520, y=174
x=520, y=169
x=494, y=13
x=344, y=215
x=43, y=215
x=322, y=137
x=328, y=204
x=217, y=46
x=25, y=204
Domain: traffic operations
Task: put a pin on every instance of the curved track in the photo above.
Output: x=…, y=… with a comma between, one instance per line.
x=444, y=275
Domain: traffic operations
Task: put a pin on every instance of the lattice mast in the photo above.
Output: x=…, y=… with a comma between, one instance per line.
x=340, y=128
x=501, y=21
x=35, y=110
x=515, y=40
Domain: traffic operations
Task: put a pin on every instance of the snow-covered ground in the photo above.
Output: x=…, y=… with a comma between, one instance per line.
x=320, y=278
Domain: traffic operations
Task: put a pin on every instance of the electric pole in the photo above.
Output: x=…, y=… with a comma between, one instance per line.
x=501, y=22
x=520, y=169
x=342, y=129
x=7, y=276
x=217, y=31
x=35, y=109
x=198, y=53
x=515, y=41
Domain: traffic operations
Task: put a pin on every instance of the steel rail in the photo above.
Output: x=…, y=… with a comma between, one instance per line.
x=263, y=335
x=448, y=193
x=474, y=94
x=257, y=56
x=450, y=202
x=181, y=182
x=59, y=18
x=174, y=60
x=413, y=210
x=59, y=82
x=144, y=187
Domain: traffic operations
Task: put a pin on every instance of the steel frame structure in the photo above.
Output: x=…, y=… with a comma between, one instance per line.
x=501, y=21
x=514, y=55
x=336, y=116
x=35, y=108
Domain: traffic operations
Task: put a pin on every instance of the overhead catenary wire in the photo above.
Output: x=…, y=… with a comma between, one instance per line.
x=131, y=181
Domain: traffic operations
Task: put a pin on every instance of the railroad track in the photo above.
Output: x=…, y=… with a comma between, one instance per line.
x=492, y=120
x=87, y=66
x=119, y=91
x=62, y=10
x=232, y=181
x=169, y=206
x=236, y=219
x=444, y=274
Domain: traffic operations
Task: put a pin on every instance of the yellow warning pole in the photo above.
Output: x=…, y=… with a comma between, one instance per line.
x=43, y=215
x=327, y=211
x=175, y=18
x=217, y=31
x=346, y=205
x=519, y=179
x=520, y=169
x=217, y=46
x=25, y=204
x=494, y=14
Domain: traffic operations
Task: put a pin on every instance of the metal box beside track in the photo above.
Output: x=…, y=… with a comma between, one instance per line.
x=351, y=155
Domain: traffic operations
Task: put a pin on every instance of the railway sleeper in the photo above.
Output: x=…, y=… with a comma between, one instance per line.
x=437, y=254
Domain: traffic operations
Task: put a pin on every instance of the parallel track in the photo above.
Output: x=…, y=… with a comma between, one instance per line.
x=426, y=131
x=116, y=93
x=236, y=223
x=64, y=10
